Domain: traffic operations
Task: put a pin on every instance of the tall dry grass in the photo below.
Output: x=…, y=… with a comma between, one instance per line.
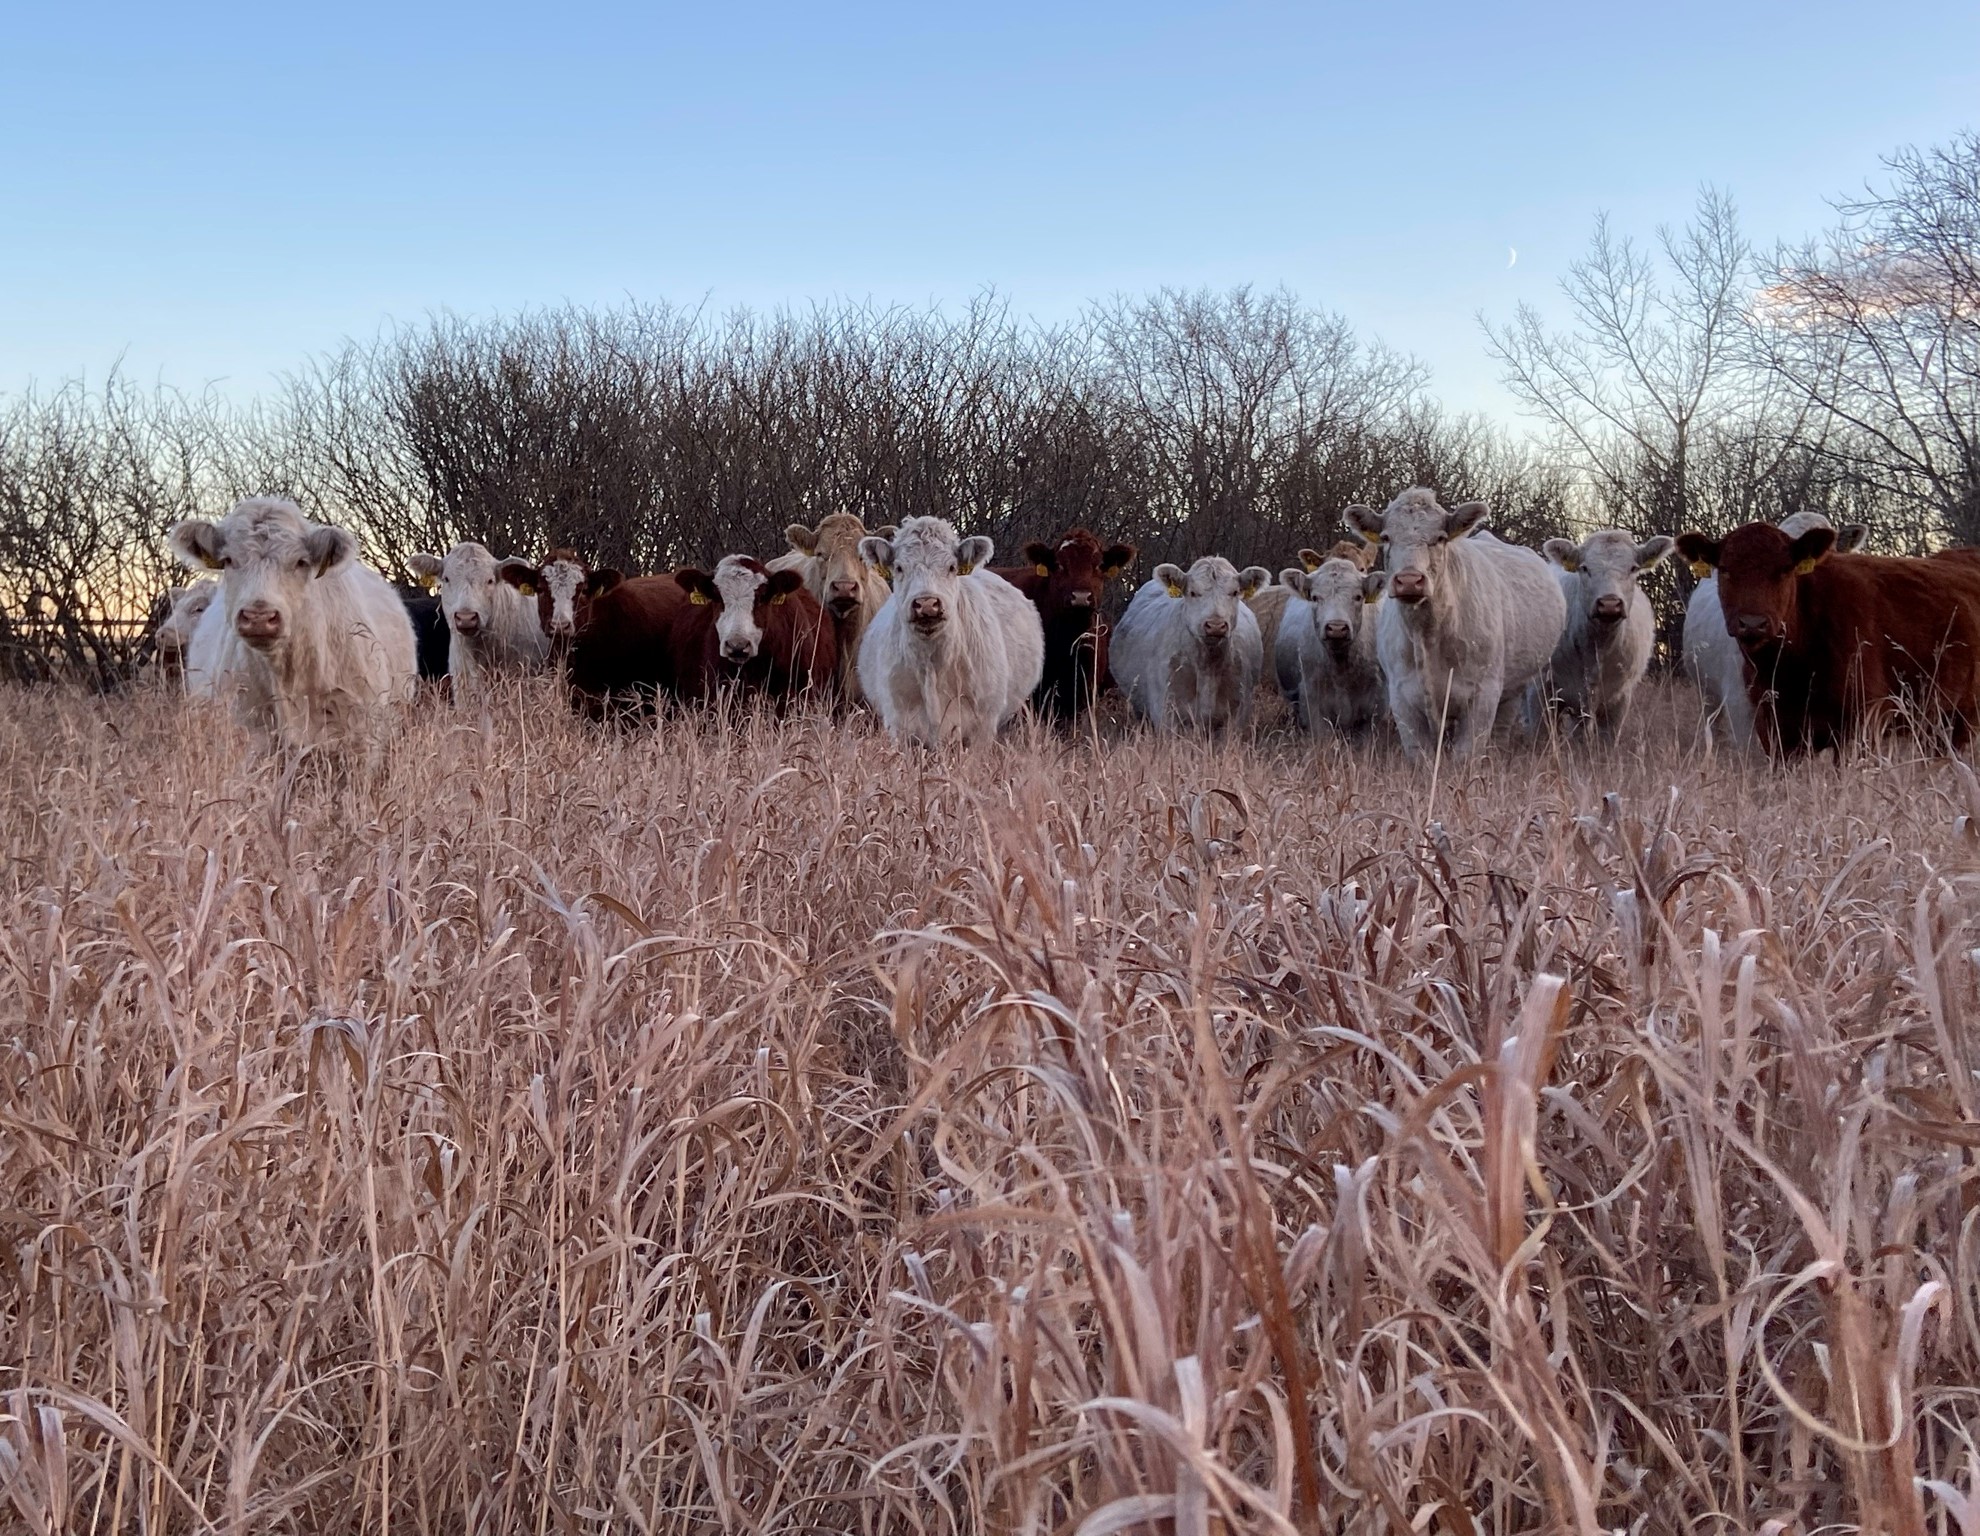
x=754, y=1127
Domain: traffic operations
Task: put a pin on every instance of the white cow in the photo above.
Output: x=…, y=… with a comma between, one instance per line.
x=1604, y=650
x=493, y=627
x=173, y=637
x=1712, y=657
x=1325, y=659
x=1187, y=653
x=313, y=648
x=955, y=650
x=1468, y=620
x=850, y=589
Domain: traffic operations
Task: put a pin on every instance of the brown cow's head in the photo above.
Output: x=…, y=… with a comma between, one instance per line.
x=1760, y=569
x=833, y=568
x=742, y=592
x=564, y=588
x=1077, y=570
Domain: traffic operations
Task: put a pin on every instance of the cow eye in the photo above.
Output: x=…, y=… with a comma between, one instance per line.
x=226, y=562
x=1442, y=538
x=303, y=564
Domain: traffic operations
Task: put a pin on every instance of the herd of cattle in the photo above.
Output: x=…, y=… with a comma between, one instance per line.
x=1431, y=622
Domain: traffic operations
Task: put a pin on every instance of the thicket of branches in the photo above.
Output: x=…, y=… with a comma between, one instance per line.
x=1700, y=383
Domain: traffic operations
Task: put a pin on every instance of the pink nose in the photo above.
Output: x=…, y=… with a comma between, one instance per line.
x=844, y=591
x=1216, y=629
x=560, y=626
x=1608, y=610
x=258, y=622
x=1409, y=586
x=468, y=622
x=1336, y=630
x=1079, y=599
x=926, y=610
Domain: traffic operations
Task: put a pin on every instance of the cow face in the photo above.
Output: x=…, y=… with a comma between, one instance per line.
x=564, y=588
x=1210, y=592
x=1605, y=566
x=466, y=582
x=1077, y=570
x=188, y=606
x=926, y=561
x=1760, y=569
x=268, y=555
x=742, y=592
x=1336, y=594
x=1417, y=533
x=838, y=575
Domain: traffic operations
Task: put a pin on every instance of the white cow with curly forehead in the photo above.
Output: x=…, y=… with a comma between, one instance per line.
x=1468, y=621
x=1605, y=647
x=1188, y=651
x=314, y=648
x=492, y=625
x=956, y=650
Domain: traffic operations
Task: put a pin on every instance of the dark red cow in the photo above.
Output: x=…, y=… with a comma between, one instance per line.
x=1838, y=646
x=753, y=630
x=622, y=654
x=564, y=588
x=1067, y=583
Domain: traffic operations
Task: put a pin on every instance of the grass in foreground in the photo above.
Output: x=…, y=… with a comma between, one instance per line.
x=759, y=1128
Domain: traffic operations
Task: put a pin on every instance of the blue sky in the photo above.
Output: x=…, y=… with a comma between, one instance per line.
x=214, y=192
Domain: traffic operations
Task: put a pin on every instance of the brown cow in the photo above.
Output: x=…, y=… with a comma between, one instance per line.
x=1838, y=646
x=564, y=588
x=752, y=629
x=621, y=654
x=852, y=591
x=1066, y=583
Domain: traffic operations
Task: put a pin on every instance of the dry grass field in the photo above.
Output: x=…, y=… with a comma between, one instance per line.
x=753, y=1127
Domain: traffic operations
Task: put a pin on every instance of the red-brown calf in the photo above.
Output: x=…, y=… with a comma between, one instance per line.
x=1067, y=582
x=753, y=630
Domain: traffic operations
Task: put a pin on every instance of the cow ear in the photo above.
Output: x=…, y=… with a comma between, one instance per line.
x=1652, y=553
x=1251, y=578
x=598, y=583
x=1174, y=582
x=1468, y=518
x=782, y=584
x=1373, y=585
x=877, y=550
x=1811, y=549
x=1851, y=537
x=329, y=549
x=198, y=544
x=886, y=530
x=520, y=574
x=1114, y=559
x=1311, y=559
x=1293, y=579
x=1365, y=521
x=698, y=584
x=1703, y=553
x=1041, y=557
x=1564, y=553
x=425, y=570
x=973, y=551
x=802, y=539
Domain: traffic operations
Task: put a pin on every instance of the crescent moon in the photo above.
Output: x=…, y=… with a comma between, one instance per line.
x=1512, y=257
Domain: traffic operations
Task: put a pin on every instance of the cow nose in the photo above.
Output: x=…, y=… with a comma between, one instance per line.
x=1336, y=632
x=1752, y=626
x=1409, y=586
x=1608, y=610
x=738, y=650
x=560, y=626
x=258, y=622
x=1079, y=599
x=1216, y=629
x=845, y=591
x=926, y=610
x=467, y=622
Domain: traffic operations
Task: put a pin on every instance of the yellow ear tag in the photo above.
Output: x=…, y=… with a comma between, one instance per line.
x=1371, y=597
x=210, y=563
x=526, y=589
x=1109, y=572
x=1173, y=589
x=778, y=598
x=964, y=570
x=886, y=572
x=1367, y=537
x=1311, y=565
x=1803, y=567
x=1571, y=565
x=1043, y=570
x=698, y=597
x=431, y=583
x=1700, y=569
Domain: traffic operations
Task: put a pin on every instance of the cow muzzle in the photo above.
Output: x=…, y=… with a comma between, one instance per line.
x=1079, y=600
x=842, y=597
x=1338, y=635
x=1216, y=631
x=1607, y=610
x=1409, y=586
x=562, y=628
x=1755, y=629
x=738, y=651
x=927, y=614
x=467, y=622
x=258, y=625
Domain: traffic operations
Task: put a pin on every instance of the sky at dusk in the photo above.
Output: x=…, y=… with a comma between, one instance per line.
x=213, y=193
